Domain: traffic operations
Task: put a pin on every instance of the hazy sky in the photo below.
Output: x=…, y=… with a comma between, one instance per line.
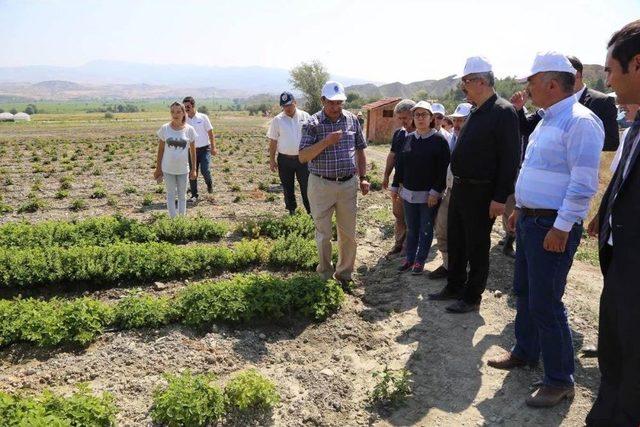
x=379, y=40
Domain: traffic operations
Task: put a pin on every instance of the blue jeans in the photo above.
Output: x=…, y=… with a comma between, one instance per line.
x=203, y=161
x=419, y=219
x=540, y=277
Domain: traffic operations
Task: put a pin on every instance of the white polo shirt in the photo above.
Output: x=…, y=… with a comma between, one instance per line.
x=200, y=122
x=288, y=131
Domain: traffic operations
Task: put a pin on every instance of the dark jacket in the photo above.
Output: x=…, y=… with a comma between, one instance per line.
x=421, y=164
x=625, y=221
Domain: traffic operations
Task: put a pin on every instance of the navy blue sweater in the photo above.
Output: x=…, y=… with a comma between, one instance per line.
x=421, y=164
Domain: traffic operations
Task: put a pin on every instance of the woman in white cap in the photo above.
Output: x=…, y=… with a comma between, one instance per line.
x=420, y=178
x=176, y=144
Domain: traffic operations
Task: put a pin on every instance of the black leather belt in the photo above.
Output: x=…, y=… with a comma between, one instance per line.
x=538, y=212
x=458, y=180
x=205, y=148
x=338, y=179
x=288, y=156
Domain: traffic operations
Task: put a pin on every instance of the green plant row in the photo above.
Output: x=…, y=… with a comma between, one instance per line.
x=195, y=400
x=144, y=262
x=244, y=298
x=106, y=230
x=274, y=227
x=51, y=410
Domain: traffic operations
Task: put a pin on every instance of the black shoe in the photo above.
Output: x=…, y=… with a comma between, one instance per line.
x=292, y=212
x=210, y=189
x=462, y=307
x=439, y=273
x=444, y=295
x=507, y=249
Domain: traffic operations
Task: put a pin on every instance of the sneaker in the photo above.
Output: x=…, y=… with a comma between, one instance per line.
x=417, y=269
x=439, y=273
x=193, y=199
x=405, y=266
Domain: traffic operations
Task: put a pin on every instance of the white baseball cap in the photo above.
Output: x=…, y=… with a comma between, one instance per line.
x=334, y=91
x=423, y=104
x=476, y=64
x=438, y=108
x=548, y=61
x=462, y=110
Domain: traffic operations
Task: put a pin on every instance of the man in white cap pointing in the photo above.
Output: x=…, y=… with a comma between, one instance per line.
x=333, y=145
x=559, y=176
x=484, y=165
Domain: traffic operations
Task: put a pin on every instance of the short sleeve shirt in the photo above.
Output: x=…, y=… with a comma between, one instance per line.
x=397, y=141
x=202, y=125
x=288, y=131
x=338, y=160
x=175, y=159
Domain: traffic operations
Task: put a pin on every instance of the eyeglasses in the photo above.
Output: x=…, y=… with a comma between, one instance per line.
x=469, y=80
x=439, y=116
x=187, y=106
x=421, y=115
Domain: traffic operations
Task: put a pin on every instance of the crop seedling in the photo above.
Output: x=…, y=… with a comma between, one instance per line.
x=249, y=392
x=188, y=400
x=392, y=388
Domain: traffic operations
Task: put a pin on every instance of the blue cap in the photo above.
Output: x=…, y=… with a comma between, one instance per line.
x=286, y=99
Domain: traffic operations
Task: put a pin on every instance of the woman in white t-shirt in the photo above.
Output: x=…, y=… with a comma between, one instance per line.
x=176, y=143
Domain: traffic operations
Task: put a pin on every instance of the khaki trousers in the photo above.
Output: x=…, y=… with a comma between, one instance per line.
x=441, y=227
x=325, y=198
x=400, y=229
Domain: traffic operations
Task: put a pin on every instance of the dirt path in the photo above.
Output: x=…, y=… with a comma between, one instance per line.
x=323, y=370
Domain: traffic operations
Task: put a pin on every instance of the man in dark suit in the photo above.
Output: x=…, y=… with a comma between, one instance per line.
x=618, y=230
x=602, y=105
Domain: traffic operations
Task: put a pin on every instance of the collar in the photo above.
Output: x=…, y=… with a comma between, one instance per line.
x=581, y=92
x=283, y=114
x=558, y=107
x=487, y=104
x=425, y=136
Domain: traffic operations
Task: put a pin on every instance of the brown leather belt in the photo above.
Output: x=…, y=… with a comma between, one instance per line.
x=538, y=212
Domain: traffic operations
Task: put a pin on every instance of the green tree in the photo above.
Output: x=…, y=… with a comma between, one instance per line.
x=354, y=100
x=309, y=78
x=13, y=111
x=421, y=95
x=599, y=86
x=203, y=109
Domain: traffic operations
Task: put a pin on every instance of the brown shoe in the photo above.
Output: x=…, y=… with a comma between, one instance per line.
x=547, y=396
x=507, y=361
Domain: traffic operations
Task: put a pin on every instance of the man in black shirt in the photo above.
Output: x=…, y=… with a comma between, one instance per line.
x=484, y=165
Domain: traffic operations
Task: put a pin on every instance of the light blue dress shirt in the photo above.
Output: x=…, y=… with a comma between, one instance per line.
x=560, y=167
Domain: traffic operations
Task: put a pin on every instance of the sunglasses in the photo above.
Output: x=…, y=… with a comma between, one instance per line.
x=439, y=116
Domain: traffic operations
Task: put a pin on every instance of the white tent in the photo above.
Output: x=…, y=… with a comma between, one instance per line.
x=6, y=117
x=21, y=117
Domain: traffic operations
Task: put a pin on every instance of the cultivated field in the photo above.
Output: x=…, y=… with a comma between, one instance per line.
x=101, y=288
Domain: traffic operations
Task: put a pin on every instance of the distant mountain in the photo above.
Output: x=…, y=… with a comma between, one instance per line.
x=241, y=80
x=434, y=88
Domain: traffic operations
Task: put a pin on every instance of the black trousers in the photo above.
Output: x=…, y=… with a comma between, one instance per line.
x=290, y=168
x=469, y=239
x=618, y=401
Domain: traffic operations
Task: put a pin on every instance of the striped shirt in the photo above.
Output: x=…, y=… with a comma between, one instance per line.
x=338, y=160
x=560, y=168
